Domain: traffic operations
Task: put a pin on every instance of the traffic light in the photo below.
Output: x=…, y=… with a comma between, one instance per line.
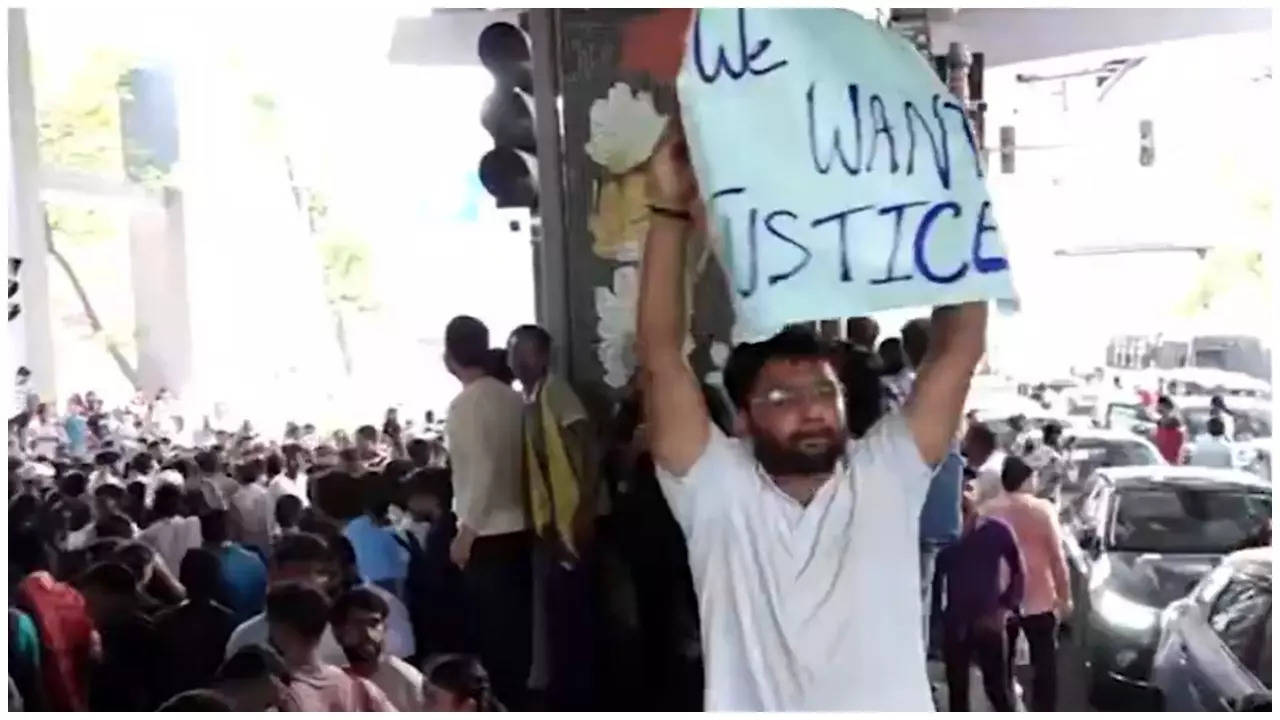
x=510, y=170
x=15, y=309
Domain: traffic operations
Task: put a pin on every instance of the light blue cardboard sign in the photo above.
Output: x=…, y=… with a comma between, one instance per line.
x=840, y=175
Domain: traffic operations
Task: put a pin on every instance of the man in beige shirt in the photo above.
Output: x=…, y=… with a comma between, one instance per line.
x=494, y=545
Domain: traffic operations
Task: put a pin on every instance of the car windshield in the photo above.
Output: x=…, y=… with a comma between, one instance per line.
x=1091, y=455
x=1186, y=520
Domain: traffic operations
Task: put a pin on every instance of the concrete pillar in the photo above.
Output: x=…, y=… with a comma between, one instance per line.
x=26, y=215
x=158, y=265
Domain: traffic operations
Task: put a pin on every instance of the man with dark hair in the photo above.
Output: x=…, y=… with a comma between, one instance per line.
x=560, y=464
x=170, y=534
x=493, y=545
x=125, y=679
x=368, y=451
x=1213, y=449
x=290, y=480
x=436, y=600
x=1047, y=596
x=895, y=374
x=771, y=518
x=193, y=635
x=976, y=609
x=243, y=587
x=359, y=619
x=419, y=450
x=1170, y=435
x=209, y=484
x=254, y=679
x=303, y=558
x=381, y=557
x=1050, y=466
x=251, y=508
x=1218, y=409
x=861, y=333
x=984, y=461
x=297, y=618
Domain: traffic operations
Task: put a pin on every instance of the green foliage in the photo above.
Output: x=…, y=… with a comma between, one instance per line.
x=79, y=117
x=348, y=282
x=1226, y=270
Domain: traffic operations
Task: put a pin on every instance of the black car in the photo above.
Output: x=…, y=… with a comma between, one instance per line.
x=1143, y=538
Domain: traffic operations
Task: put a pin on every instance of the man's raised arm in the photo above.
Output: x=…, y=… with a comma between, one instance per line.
x=956, y=343
x=678, y=422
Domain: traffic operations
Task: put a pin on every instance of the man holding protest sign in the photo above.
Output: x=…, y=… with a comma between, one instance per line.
x=803, y=542
x=803, y=545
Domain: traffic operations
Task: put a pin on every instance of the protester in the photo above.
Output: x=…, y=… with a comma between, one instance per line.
x=288, y=514
x=254, y=679
x=192, y=636
x=170, y=534
x=435, y=589
x=252, y=510
x=1213, y=449
x=1051, y=468
x=380, y=557
x=896, y=375
x=560, y=463
x=1218, y=409
x=493, y=544
x=125, y=679
x=359, y=619
x=940, y=518
x=296, y=619
x=1169, y=437
x=1046, y=599
x=976, y=609
x=243, y=576
x=984, y=461
x=778, y=511
x=301, y=557
x=70, y=643
x=458, y=683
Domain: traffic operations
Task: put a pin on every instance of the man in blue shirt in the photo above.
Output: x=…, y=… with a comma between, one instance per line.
x=940, y=520
x=244, y=575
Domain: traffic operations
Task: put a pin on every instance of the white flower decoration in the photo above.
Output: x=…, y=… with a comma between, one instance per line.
x=616, y=326
x=625, y=127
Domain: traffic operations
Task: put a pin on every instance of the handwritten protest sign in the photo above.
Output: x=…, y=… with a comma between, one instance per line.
x=839, y=174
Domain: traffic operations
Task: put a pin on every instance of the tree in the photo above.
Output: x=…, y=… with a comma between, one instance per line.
x=79, y=129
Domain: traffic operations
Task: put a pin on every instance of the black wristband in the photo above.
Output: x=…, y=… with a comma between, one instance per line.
x=671, y=213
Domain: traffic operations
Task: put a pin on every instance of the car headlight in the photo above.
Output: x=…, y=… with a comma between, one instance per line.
x=1126, y=614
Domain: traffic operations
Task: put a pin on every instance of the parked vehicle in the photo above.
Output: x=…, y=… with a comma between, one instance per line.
x=1214, y=651
x=1089, y=450
x=1143, y=536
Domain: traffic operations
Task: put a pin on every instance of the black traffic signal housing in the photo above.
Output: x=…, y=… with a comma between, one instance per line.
x=15, y=264
x=510, y=170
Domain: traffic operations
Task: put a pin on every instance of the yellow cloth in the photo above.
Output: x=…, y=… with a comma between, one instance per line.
x=553, y=498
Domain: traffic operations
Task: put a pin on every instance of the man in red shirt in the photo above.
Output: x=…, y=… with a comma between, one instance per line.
x=1169, y=434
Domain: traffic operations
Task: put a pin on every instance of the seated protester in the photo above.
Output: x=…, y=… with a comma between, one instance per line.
x=380, y=557
x=436, y=596
x=400, y=639
x=254, y=680
x=419, y=450
x=193, y=635
x=68, y=640
x=304, y=558
x=359, y=619
x=251, y=509
x=72, y=502
x=297, y=617
x=157, y=588
x=106, y=470
x=243, y=581
x=171, y=534
x=197, y=701
x=125, y=679
x=288, y=514
x=458, y=683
